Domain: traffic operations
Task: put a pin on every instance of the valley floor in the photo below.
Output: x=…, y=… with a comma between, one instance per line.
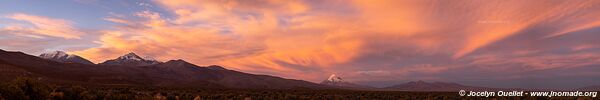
x=26, y=88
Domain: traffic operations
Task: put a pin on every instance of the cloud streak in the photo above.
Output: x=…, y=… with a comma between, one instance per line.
x=409, y=39
x=39, y=25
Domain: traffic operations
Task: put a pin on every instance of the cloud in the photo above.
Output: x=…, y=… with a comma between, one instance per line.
x=37, y=44
x=393, y=40
x=35, y=34
x=40, y=25
x=233, y=40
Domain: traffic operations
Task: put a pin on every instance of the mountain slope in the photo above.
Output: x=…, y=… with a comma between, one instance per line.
x=61, y=56
x=172, y=73
x=185, y=72
x=130, y=59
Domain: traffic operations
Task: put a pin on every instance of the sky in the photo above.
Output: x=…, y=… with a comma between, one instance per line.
x=492, y=43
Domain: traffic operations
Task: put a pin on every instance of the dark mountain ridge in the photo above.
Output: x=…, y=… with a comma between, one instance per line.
x=180, y=73
x=172, y=73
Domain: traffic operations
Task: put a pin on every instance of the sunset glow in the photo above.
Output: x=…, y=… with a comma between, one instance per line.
x=496, y=43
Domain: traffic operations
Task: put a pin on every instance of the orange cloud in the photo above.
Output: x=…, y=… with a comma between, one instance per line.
x=43, y=26
x=290, y=37
x=500, y=19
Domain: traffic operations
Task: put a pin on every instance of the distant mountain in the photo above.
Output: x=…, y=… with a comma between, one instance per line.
x=130, y=59
x=333, y=80
x=61, y=56
x=590, y=88
x=337, y=81
x=438, y=86
x=174, y=73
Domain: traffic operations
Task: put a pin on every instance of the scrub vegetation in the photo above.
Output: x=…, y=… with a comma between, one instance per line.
x=31, y=89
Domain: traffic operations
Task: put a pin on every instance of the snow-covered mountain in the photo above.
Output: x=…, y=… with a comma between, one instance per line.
x=61, y=56
x=337, y=81
x=333, y=80
x=131, y=59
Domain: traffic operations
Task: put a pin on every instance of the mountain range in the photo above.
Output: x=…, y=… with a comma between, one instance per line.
x=177, y=73
x=133, y=70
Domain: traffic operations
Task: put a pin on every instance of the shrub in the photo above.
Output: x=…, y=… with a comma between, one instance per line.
x=25, y=88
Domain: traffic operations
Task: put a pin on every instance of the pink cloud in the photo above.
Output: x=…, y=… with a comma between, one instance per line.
x=300, y=39
x=43, y=26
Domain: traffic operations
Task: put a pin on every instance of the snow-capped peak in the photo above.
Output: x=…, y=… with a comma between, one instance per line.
x=334, y=78
x=57, y=55
x=131, y=59
x=131, y=56
x=61, y=56
x=54, y=54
